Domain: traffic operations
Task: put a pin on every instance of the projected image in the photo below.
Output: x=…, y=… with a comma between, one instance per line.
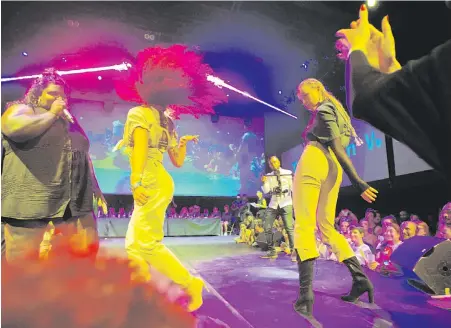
x=229, y=158
x=370, y=159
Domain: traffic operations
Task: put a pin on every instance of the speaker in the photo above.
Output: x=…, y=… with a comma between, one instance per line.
x=429, y=259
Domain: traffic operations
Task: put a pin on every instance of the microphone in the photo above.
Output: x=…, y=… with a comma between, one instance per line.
x=68, y=116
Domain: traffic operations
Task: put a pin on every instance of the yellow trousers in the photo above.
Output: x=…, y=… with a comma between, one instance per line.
x=315, y=192
x=145, y=233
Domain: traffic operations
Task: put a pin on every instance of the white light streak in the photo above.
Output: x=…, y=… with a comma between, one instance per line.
x=119, y=67
x=221, y=84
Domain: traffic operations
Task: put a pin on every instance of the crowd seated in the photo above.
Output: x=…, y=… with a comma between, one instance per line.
x=374, y=238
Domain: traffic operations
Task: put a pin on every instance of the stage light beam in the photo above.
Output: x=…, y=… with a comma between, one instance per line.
x=221, y=84
x=120, y=67
x=371, y=3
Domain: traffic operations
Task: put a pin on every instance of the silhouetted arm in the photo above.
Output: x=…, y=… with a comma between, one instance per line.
x=412, y=105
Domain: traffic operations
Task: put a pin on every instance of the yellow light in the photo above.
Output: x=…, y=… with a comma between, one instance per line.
x=371, y=3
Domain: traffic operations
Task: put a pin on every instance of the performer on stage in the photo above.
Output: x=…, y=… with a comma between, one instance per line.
x=279, y=184
x=165, y=78
x=48, y=176
x=315, y=191
x=409, y=103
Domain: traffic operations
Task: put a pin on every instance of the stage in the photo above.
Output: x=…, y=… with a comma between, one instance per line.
x=246, y=291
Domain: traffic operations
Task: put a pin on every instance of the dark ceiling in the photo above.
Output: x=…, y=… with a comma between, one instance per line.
x=418, y=27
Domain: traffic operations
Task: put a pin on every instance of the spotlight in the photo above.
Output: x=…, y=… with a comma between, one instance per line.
x=25, y=54
x=280, y=92
x=371, y=3
x=99, y=78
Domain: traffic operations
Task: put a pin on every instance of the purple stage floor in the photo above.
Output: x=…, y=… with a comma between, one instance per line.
x=246, y=291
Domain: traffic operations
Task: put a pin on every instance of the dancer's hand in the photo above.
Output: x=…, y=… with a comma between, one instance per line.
x=186, y=139
x=101, y=201
x=264, y=178
x=140, y=195
x=379, y=47
x=103, y=204
x=369, y=195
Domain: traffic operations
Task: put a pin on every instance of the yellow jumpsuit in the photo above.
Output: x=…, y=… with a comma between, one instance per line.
x=316, y=185
x=143, y=241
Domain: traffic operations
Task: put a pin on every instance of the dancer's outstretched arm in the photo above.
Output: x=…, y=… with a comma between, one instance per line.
x=177, y=154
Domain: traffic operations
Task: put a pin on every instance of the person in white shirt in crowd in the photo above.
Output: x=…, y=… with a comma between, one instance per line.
x=362, y=251
x=279, y=183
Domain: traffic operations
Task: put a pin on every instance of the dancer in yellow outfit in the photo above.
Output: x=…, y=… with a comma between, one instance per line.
x=315, y=191
x=166, y=81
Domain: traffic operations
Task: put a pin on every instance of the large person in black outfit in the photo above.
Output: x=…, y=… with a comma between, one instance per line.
x=411, y=103
x=48, y=179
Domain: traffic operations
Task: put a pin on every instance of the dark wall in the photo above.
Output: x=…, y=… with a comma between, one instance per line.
x=422, y=193
x=283, y=132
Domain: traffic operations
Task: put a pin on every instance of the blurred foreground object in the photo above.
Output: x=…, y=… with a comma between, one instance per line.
x=69, y=289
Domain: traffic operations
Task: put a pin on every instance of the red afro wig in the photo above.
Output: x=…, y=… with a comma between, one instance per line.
x=174, y=77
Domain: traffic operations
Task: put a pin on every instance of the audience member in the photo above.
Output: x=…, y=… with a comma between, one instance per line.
x=414, y=218
x=445, y=214
x=368, y=237
x=409, y=230
x=215, y=213
x=226, y=218
x=362, y=251
x=344, y=227
x=392, y=240
x=184, y=213
x=403, y=216
x=444, y=231
x=422, y=229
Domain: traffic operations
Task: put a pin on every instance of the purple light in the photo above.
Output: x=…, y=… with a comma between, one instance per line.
x=25, y=54
x=99, y=78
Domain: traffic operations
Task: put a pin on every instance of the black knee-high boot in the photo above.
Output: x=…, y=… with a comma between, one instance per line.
x=360, y=282
x=304, y=303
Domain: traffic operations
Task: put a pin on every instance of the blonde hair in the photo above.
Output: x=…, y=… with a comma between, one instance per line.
x=330, y=97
